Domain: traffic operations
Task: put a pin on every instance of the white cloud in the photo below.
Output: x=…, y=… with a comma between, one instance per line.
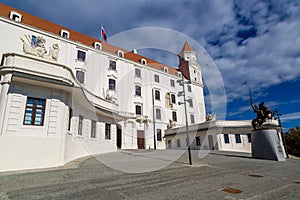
x=290, y=116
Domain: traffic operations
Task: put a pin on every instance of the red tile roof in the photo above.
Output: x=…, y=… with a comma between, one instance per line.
x=81, y=38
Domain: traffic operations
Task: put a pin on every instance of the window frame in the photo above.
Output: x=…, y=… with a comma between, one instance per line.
x=158, y=113
x=174, y=116
x=13, y=15
x=34, y=111
x=173, y=98
x=158, y=135
x=80, y=76
x=107, y=131
x=93, y=129
x=80, y=125
x=137, y=72
x=172, y=83
x=112, y=82
x=192, y=117
x=238, y=139
x=138, y=107
x=98, y=44
x=189, y=88
x=157, y=95
x=112, y=66
x=156, y=78
x=64, y=33
x=81, y=55
x=138, y=90
x=226, y=138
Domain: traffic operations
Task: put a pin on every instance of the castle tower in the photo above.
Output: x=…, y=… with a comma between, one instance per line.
x=188, y=64
x=191, y=70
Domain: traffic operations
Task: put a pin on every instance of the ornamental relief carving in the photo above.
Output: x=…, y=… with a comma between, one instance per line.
x=35, y=45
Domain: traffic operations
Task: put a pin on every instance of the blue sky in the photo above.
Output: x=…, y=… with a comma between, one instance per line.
x=255, y=44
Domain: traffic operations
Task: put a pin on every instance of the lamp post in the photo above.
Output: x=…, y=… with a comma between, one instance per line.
x=281, y=133
x=153, y=112
x=182, y=93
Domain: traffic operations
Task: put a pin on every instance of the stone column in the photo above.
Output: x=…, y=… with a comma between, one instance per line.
x=6, y=79
x=265, y=144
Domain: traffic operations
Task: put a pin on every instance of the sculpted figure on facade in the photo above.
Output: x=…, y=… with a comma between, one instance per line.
x=171, y=124
x=36, y=46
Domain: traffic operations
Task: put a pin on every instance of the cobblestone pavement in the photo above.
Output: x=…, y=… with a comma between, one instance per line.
x=220, y=175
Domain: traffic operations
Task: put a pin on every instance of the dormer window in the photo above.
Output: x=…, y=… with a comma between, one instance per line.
x=143, y=61
x=179, y=74
x=64, y=33
x=97, y=45
x=15, y=16
x=166, y=70
x=120, y=53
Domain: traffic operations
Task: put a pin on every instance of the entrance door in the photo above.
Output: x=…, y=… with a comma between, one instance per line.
x=119, y=136
x=141, y=139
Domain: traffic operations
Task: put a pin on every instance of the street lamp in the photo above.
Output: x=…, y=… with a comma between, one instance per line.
x=182, y=93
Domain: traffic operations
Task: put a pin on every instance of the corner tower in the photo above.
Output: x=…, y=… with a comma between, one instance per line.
x=191, y=70
x=188, y=64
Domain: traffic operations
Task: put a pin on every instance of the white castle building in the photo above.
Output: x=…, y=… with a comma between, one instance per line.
x=64, y=95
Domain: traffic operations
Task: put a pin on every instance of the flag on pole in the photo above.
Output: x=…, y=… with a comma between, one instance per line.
x=103, y=34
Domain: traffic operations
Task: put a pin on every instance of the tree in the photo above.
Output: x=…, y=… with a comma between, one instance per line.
x=292, y=138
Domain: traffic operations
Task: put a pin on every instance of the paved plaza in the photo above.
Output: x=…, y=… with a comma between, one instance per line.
x=163, y=174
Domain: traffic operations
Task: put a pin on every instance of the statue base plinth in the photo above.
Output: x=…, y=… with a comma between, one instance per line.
x=265, y=144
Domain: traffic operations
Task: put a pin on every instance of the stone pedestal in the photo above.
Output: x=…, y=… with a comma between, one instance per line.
x=265, y=144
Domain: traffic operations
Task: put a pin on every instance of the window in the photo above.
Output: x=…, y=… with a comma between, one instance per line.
x=34, y=111
x=97, y=45
x=190, y=102
x=158, y=135
x=226, y=138
x=112, y=84
x=249, y=137
x=138, y=110
x=198, y=141
x=65, y=34
x=172, y=83
x=192, y=119
x=158, y=113
x=138, y=90
x=173, y=99
x=80, y=125
x=174, y=116
x=70, y=118
x=166, y=69
x=156, y=78
x=80, y=76
x=189, y=88
x=107, y=131
x=138, y=73
x=81, y=55
x=112, y=65
x=179, y=74
x=169, y=144
x=143, y=61
x=93, y=129
x=178, y=143
x=157, y=95
x=15, y=16
x=238, y=138
x=120, y=53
